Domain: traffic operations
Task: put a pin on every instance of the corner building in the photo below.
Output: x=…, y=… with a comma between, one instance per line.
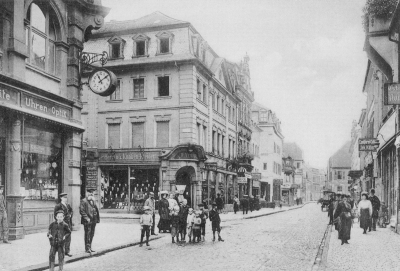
x=172, y=124
x=40, y=106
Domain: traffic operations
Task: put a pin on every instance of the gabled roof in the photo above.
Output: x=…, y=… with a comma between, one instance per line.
x=154, y=19
x=342, y=158
x=293, y=150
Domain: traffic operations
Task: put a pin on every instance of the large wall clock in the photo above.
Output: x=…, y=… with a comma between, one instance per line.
x=103, y=82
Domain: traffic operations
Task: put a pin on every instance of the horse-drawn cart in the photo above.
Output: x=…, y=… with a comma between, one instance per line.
x=325, y=200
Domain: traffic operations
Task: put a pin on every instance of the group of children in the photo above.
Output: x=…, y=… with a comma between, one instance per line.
x=184, y=220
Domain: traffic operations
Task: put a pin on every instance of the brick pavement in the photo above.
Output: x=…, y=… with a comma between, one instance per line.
x=285, y=241
x=376, y=250
x=115, y=231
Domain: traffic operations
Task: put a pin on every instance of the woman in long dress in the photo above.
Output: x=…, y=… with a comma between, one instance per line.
x=163, y=209
x=365, y=211
x=343, y=212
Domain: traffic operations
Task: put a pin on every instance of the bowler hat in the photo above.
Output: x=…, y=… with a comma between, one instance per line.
x=63, y=195
x=90, y=190
x=151, y=194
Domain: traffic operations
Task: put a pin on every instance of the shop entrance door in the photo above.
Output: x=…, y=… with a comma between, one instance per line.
x=184, y=177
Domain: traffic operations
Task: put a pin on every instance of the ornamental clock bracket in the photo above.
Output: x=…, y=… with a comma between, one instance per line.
x=101, y=81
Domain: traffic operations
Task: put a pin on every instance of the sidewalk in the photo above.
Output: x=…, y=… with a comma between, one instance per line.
x=32, y=252
x=376, y=250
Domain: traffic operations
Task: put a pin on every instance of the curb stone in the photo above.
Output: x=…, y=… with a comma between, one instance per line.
x=78, y=257
x=322, y=254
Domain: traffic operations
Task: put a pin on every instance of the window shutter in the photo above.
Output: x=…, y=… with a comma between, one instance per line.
x=114, y=135
x=137, y=134
x=162, y=134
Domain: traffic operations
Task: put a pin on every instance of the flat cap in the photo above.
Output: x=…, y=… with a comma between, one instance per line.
x=63, y=195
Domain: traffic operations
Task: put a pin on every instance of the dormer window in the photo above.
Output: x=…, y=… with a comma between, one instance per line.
x=140, y=45
x=116, y=46
x=164, y=42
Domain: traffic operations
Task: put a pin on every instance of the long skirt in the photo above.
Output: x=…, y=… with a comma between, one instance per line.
x=164, y=225
x=365, y=219
x=344, y=227
x=235, y=207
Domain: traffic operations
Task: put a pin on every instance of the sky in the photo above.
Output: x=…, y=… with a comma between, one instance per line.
x=307, y=62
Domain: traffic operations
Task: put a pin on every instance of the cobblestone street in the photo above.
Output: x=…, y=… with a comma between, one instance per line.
x=284, y=241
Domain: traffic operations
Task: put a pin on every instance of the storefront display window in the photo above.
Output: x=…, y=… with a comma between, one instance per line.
x=41, y=178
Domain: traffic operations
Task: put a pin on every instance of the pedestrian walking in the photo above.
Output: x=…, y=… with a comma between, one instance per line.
x=174, y=214
x=203, y=216
x=376, y=205
x=335, y=205
x=68, y=213
x=245, y=204
x=343, y=213
x=164, y=224
x=183, y=214
x=3, y=217
x=189, y=224
x=365, y=210
x=331, y=207
x=58, y=232
x=146, y=222
x=89, y=218
x=220, y=203
x=151, y=203
x=215, y=222
x=197, y=227
x=236, y=203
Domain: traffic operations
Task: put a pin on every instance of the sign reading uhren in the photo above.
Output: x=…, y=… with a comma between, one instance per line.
x=391, y=94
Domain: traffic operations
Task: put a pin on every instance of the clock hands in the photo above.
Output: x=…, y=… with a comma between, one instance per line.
x=103, y=78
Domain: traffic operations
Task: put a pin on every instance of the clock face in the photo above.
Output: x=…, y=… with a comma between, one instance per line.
x=100, y=81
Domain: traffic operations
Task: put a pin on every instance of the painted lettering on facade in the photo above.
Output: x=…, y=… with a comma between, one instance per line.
x=45, y=107
x=128, y=156
x=8, y=96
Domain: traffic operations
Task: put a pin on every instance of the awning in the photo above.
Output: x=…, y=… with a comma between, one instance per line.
x=387, y=132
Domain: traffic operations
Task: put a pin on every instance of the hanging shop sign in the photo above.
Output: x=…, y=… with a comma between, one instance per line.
x=256, y=176
x=242, y=180
x=91, y=175
x=391, y=94
x=368, y=144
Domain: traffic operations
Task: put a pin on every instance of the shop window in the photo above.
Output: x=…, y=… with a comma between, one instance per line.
x=41, y=176
x=42, y=31
x=163, y=86
x=116, y=96
x=114, y=135
x=138, y=88
x=162, y=134
x=137, y=134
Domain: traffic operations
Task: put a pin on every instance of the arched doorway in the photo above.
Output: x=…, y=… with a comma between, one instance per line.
x=183, y=178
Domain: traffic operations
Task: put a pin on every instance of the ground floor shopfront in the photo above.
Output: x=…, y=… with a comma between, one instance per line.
x=39, y=156
x=123, y=178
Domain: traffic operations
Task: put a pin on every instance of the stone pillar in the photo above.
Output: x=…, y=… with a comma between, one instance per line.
x=14, y=199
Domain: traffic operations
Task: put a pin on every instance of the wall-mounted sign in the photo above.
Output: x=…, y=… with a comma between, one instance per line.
x=43, y=106
x=242, y=180
x=8, y=95
x=391, y=94
x=256, y=176
x=91, y=175
x=127, y=156
x=368, y=144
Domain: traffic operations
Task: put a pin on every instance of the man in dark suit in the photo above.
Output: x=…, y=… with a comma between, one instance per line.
x=90, y=217
x=376, y=205
x=245, y=204
x=67, y=209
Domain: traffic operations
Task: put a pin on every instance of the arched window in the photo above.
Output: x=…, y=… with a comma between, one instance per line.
x=42, y=31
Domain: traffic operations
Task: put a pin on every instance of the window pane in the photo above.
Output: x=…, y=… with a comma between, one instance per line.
x=163, y=86
x=52, y=57
x=163, y=134
x=140, y=48
x=164, y=45
x=138, y=88
x=115, y=50
x=117, y=93
x=137, y=135
x=205, y=94
x=113, y=135
x=38, y=20
x=38, y=56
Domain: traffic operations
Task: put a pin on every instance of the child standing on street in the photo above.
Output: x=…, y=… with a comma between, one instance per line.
x=197, y=227
x=189, y=223
x=203, y=216
x=215, y=222
x=146, y=220
x=183, y=214
x=58, y=232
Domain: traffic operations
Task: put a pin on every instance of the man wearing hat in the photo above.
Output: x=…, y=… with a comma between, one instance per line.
x=89, y=218
x=376, y=205
x=215, y=221
x=245, y=204
x=67, y=209
x=151, y=203
x=3, y=216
